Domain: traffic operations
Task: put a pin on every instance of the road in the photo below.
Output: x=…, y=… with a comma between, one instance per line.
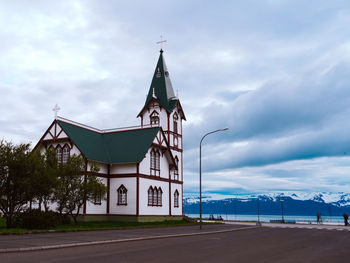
x=265, y=244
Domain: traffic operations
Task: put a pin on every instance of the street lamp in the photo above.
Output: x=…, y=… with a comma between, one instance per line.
x=200, y=174
x=282, y=210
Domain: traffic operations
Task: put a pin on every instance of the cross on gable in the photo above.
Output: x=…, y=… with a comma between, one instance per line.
x=56, y=109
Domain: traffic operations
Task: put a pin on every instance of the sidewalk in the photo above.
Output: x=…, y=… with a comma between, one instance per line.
x=280, y=225
x=28, y=242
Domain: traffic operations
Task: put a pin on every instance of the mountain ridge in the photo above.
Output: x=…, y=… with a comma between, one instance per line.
x=294, y=203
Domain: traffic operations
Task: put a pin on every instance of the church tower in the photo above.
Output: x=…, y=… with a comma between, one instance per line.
x=162, y=108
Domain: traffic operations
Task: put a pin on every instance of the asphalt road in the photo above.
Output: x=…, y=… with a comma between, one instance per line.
x=253, y=245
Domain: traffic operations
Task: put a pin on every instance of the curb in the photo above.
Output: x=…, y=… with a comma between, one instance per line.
x=9, y=250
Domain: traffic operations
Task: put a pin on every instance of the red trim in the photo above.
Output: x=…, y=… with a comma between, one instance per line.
x=169, y=193
x=108, y=188
x=42, y=137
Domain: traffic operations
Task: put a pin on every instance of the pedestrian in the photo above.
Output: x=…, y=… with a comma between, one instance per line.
x=318, y=217
x=346, y=217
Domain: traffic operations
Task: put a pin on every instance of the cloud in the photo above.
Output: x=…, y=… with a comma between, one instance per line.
x=274, y=72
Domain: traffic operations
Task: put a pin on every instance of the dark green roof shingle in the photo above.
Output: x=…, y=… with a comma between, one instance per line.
x=116, y=147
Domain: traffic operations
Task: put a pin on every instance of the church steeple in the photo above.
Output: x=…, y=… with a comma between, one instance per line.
x=161, y=88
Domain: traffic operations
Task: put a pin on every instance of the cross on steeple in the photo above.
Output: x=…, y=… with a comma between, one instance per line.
x=56, y=109
x=161, y=42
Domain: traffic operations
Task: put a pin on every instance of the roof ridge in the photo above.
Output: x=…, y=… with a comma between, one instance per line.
x=112, y=130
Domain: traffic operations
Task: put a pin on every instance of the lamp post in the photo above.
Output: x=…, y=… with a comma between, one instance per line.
x=258, y=223
x=282, y=210
x=200, y=173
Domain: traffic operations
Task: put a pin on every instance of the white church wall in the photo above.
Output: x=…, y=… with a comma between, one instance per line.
x=164, y=165
x=102, y=166
x=128, y=168
x=144, y=167
x=48, y=136
x=176, y=210
x=52, y=130
x=163, y=116
x=74, y=150
x=91, y=208
x=145, y=209
x=130, y=185
x=62, y=135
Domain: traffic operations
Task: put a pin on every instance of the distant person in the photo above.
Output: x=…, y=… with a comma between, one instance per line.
x=318, y=218
x=346, y=218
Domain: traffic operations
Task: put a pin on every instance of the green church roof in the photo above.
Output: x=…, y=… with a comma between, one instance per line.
x=161, y=88
x=128, y=146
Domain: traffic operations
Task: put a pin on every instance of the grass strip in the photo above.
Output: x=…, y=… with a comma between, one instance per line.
x=90, y=226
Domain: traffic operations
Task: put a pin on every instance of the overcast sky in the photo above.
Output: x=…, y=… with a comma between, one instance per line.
x=276, y=72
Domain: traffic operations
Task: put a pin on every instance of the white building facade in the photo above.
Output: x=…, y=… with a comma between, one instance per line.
x=142, y=167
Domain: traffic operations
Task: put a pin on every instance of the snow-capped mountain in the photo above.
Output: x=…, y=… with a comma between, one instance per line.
x=337, y=199
x=295, y=203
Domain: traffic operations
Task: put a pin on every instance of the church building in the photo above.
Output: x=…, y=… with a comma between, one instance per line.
x=141, y=166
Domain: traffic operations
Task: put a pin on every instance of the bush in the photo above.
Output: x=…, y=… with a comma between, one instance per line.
x=36, y=219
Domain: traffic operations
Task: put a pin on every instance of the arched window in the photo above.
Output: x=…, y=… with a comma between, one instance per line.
x=66, y=153
x=154, y=119
x=155, y=196
x=176, y=172
x=122, y=195
x=160, y=197
x=176, y=199
x=150, y=196
x=155, y=162
x=59, y=153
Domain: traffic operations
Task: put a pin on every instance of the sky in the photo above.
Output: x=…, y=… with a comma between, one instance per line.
x=275, y=72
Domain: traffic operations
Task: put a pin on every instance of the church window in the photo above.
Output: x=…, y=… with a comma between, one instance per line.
x=122, y=195
x=97, y=199
x=176, y=199
x=159, y=199
x=59, y=153
x=154, y=119
x=155, y=196
x=66, y=153
x=155, y=162
x=150, y=196
x=176, y=172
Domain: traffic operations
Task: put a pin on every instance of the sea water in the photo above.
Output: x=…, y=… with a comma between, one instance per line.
x=268, y=218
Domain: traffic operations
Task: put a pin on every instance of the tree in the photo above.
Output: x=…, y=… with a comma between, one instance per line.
x=44, y=179
x=15, y=180
x=76, y=187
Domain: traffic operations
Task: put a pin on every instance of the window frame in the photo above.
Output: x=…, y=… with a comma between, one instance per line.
x=176, y=198
x=122, y=191
x=65, y=155
x=154, y=119
x=155, y=162
x=150, y=196
x=176, y=171
x=59, y=151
